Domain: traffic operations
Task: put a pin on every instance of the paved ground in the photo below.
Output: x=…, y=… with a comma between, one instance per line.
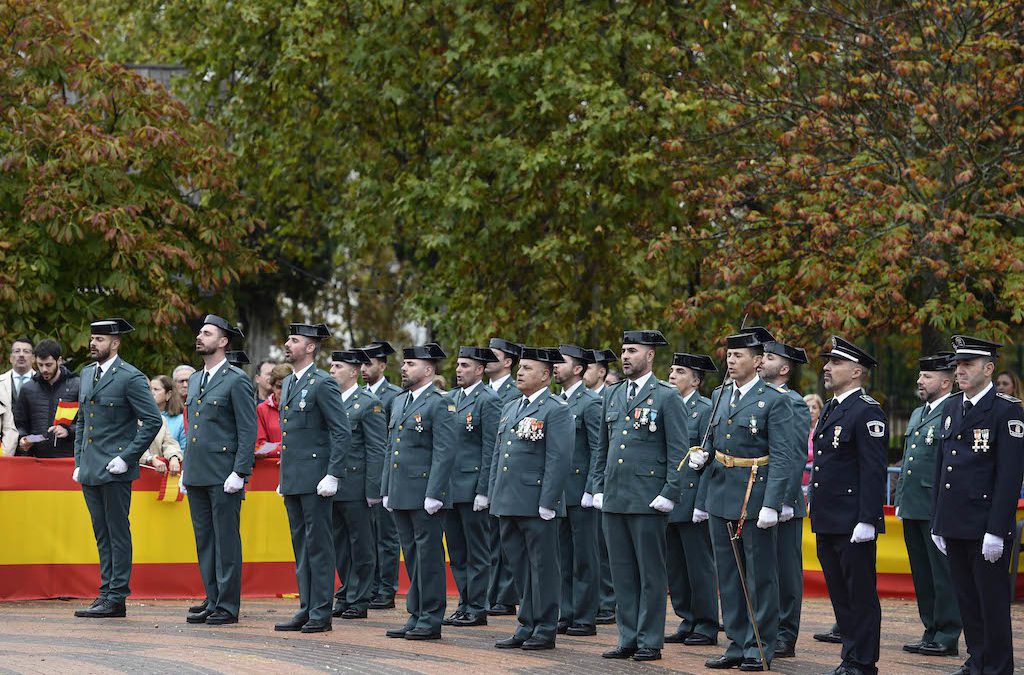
x=44, y=637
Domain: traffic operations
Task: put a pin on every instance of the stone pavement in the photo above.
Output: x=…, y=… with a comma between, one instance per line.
x=44, y=637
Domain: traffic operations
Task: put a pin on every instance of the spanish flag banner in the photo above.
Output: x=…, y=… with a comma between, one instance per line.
x=66, y=412
x=169, y=491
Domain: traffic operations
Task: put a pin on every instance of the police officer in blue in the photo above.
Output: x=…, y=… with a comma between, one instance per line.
x=117, y=420
x=977, y=483
x=933, y=587
x=846, y=495
x=689, y=561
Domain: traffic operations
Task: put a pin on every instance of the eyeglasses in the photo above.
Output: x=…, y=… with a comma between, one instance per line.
x=185, y=381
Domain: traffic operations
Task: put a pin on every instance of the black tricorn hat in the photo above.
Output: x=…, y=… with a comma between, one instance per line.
x=481, y=354
x=116, y=326
x=794, y=354
x=652, y=338
x=694, y=362
x=317, y=331
x=579, y=353
x=428, y=352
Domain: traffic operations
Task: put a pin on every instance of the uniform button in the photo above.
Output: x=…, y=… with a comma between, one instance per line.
x=627, y=418
x=90, y=414
x=910, y=459
x=395, y=465
x=577, y=472
x=223, y=449
x=815, y=485
x=399, y=427
x=954, y=452
x=90, y=427
x=909, y=472
x=821, y=435
x=691, y=484
x=913, y=446
x=398, y=440
x=285, y=420
x=424, y=475
x=396, y=453
x=195, y=426
x=510, y=442
x=947, y=486
x=625, y=431
x=199, y=400
x=504, y=468
x=917, y=433
x=849, y=491
x=948, y=469
x=728, y=436
x=506, y=455
x=194, y=439
x=817, y=468
x=819, y=452
x=620, y=460
x=984, y=496
x=314, y=455
x=284, y=447
x=284, y=433
x=197, y=413
x=958, y=437
x=652, y=472
x=728, y=422
x=476, y=468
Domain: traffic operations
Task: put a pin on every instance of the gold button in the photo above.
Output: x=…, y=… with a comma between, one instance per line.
x=199, y=400
x=506, y=455
x=627, y=418
x=285, y=420
x=90, y=427
x=910, y=459
x=197, y=414
x=195, y=426
x=194, y=439
x=90, y=415
x=917, y=433
x=624, y=432
x=286, y=407
x=284, y=433
x=620, y=460
x=400, y=427
x=284, y=447
x=398, y=440
x=728, y=422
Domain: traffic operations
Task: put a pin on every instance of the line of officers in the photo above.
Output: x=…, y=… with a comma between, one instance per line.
x=549, y=500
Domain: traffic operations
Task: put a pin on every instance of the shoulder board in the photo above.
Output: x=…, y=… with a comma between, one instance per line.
x=613, y=386
x=558, y=400
x=666, y=384
x=868, y=399
x=1009, y=398
x=236, y=370
x=775, y=387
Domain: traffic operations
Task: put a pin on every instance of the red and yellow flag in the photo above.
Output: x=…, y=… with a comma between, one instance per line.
x=66, y=412
x=168, y=491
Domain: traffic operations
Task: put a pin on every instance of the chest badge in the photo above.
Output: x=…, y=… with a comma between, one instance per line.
x=760, y=404
x=469, y=421
x=945, y=425
x=753, y=426
x=929, y=437
x=1016, y=428
x=980, y=440
x=835, y=436
x=302, y=402
x=418, y=418
x=653, y=426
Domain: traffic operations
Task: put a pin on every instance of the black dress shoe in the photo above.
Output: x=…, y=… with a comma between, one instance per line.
x=678, y=637
x=294, y=624
x=700, y=640
x=220, y=617
x=848, y=670
x=422, y=634
x=501, y=610
x=604, y=617
x=509, y=643
x=963, y=670
x=722, y=662
x=195, y=609
x=785, y=650
x=398, y=632
x=198, y=617
x=935, y=649
x=450, y=619
x=537, y=644
x=752, y=665
x=468, y=619
x=581, y=629
x=108, y=609
x=914, y=647
x=831, y=636
x=619, y=653
x=381, y=602
x=97, y=601
x=338, y=610
x=562, y=627
x=647, y=654
x=353, y=613
x=316, y=627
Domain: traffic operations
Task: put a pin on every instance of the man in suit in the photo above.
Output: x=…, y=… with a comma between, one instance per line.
x=358, y=487
x=385, y=534
x=847, y=493
x=777, y=367
x=315, y=444
x=531, y=463
x=752, y=441
x=595, y=377
x=643, y=439
x=977, y=482
x=117, y=420
x=692, y=581
x=22, y=360
x=933, y=588
x=501, y=590
x=417, y=474
x=577, y=530
x=466, y=520
x=221, y=428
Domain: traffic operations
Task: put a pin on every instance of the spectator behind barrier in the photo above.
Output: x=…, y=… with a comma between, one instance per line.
x=35, y=411
x=268, y=418
x=167, y=400
x=180, y=376
x=164, y=453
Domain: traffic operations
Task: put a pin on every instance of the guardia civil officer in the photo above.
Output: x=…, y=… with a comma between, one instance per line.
x=221, y=429
x=596, y=374
x=692, y=580
x=752, y=440
x=358, y=487
x=846, y=494
x=977, y=483
x=466, y=519
x=385, y=534
x=531, y=463
x=117, y=420
x=933, y=588
x=417, y=474
x=636, y=482
x=501, y=590
x=315, y=443
x=577, y=530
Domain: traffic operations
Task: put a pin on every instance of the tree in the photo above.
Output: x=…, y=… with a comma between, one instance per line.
x=114, y=201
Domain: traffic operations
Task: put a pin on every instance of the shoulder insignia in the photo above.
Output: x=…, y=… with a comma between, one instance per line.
x=876, y=428
x=1016, y=428
x=868, y=399
x=1009, y=398
x=377, y=409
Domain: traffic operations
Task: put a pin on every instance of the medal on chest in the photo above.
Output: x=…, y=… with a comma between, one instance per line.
x=652, y=427
x=835, y=436
x=418, y=419
x=929, y=437
x=302, y=402
x=469, y=421
x=980, y=440
x=753, y=426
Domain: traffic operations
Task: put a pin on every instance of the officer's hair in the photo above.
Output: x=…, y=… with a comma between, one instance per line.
x=699, y=374
x=576, y=362
x=602, y=365
x=47, y=349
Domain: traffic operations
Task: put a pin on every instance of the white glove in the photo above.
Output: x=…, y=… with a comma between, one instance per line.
x=74, y=475
x=992, y=547
x=662, y=505
x=898, y=513
x=767, y=517
x=181, y=484
x=384, y=503
x=862, y=533
x=587, y=500
x=698, y=458
x=279, y=493
x=599, y=501
x=328, y=486
x=787, y=513
x=432, y=506
x=940, y=543
x=117, y=466
x=233, y=484
x=699, y=516
x=480, y=503
x=545, y=514
x=372, y=501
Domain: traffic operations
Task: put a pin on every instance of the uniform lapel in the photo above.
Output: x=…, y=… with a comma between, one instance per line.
x=642, y=394
x=979, y=412
x=216, y=380
x=418, y=403
x=467, y=401
x=107, y=376
x=532, y=407
x=748, y=399
x=308, y=378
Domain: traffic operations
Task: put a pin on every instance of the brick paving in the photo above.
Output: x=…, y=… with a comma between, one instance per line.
x=44, y=637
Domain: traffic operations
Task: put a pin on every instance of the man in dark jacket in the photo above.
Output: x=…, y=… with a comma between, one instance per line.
x=37, y=405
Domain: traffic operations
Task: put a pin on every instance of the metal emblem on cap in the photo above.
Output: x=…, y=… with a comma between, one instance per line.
x=835, y=343
x=958, y=341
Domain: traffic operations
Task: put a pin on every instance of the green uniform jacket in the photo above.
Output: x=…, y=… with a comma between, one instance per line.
x=920, y=449
x=108, y=422
x=315, y=436
x=419, y=460
x=387, y=394
x=698, y=414
x=585, y=407
x=641, y=445
x=476, y=425
x=364, y=462
x=801, y=431
x=761, y=424
x=531, y=457
x=220, y=426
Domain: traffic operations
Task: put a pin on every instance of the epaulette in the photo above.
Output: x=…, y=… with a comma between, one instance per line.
x=666, y=384
x=612, y=386
x=1009, y=398
x=775, y=387
x=868, y=399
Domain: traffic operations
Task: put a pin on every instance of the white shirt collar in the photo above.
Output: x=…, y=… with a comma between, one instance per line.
x=300, y=373
x=466, y=391
x=375, y=387
x=348, y=392
x=937, y=403
x=747, y=387
x=213, y=371
x=535, y=395
x=689, y=397
x=598, y=390
x=105, y=366
x=31, y=372
x=500, y=382
x=846, y=394
x=974, y=399
x=416, y=392
x=641, y=382
x=572, y=390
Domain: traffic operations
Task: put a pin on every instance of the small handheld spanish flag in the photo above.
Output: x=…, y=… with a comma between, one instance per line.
x=66, y=412
x=169, y=488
